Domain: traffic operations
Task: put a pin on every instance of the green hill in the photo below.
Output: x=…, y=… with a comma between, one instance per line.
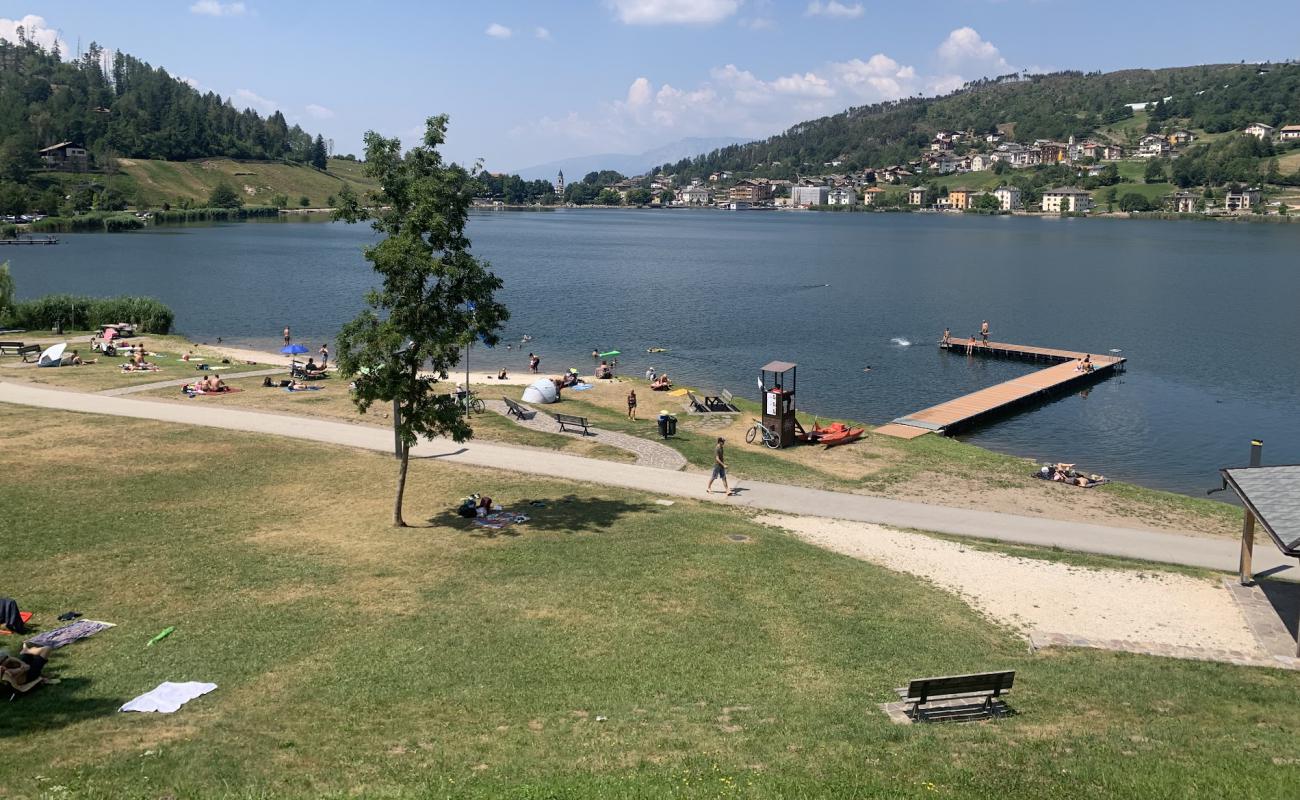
x=1211, y=99
x=155, y=182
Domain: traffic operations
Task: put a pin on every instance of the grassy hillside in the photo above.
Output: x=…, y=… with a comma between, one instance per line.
x=152, y=183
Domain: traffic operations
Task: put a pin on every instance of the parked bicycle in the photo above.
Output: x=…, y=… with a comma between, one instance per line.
x=769, y=436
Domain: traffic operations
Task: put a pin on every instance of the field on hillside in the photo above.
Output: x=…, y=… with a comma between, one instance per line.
x=152, y=183
x=610, y=647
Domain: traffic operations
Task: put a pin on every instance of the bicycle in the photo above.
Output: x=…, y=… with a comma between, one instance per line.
x=769, y=436
x=473, y=403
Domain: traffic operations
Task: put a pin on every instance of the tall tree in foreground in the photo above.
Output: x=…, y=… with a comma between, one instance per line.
x=434, y=296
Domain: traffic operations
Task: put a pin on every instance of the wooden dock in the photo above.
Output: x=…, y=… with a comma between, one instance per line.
x=963, y=411
x=30, y=240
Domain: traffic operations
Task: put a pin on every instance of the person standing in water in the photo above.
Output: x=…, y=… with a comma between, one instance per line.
x=287, y=336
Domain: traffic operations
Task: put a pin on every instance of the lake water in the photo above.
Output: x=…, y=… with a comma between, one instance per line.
x=1207, y=313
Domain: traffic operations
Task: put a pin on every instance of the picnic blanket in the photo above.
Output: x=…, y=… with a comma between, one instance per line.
x=500, y=519
x=68, y=634
x=197, y=392
x=304, y=389
x=580, y=387
x=168, y=697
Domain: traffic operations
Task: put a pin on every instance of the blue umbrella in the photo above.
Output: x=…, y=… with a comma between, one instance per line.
x=293, y=349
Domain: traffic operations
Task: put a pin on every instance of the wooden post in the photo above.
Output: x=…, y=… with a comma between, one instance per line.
x=1246, y=574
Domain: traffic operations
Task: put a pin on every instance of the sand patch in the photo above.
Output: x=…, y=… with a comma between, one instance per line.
x=1031, y=594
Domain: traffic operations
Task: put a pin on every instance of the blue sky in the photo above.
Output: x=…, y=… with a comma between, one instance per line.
x=528, y=82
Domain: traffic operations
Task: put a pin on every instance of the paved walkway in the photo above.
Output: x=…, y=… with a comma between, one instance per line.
x=196, y=375
x=648, y=453
x=1172, y=548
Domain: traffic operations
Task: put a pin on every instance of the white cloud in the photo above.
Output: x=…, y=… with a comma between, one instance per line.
x=251, y=99
x=35, y=29
x=673, y=12
x=542, y=33
x=966, y=51
x=498, y=31
x=318, y=112
x=213, y=8
x=758, y=23
x=834, y=8
x=193, y=83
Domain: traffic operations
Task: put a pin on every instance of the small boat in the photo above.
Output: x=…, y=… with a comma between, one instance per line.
x=656, y=349
x=844, y=437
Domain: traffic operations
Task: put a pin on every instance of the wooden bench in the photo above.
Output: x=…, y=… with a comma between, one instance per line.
x=988, y=685
x=697, y=404
x=29, y=352
x=9, y=346
x=513, y=409
x=729, y=399
x=568, y=420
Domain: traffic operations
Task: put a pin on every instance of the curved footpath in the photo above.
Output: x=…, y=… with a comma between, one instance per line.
x=1172, y=548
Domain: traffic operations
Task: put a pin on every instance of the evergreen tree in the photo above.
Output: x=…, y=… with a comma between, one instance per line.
x=319, y=156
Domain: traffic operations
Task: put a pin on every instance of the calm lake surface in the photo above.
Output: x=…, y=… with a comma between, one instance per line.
x=1208, y=314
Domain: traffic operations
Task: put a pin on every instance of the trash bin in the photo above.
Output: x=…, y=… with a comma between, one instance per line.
x=667, y=425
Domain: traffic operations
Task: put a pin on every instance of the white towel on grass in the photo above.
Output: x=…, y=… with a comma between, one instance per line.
x=168, y=697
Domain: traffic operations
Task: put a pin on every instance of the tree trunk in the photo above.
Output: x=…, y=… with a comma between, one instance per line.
x=398, y=522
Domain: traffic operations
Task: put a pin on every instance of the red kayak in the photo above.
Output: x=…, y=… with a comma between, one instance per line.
x=841, y=437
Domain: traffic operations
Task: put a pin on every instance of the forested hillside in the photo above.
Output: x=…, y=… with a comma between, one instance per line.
x=1212, y=98
x=129, y=109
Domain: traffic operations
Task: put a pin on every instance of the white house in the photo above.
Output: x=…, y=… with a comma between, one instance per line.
x=1289, y=133
x=804, y=196
x=916, y=196
x=981, y=162
x=1243, y=200
x=1260, y=130
x=1008, y=197
x=695, y=196
x=1152, y=146
x=843, y=196
x=1066, y=200
x=869, y=196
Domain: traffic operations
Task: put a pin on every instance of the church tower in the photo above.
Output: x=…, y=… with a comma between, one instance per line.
x=559, y=185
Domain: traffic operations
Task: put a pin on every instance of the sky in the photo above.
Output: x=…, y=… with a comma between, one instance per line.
x=530, y=82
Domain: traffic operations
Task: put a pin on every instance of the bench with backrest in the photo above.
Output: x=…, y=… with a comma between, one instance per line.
x=988, y=685
x=570, y=421
x=29, y=352
x=728, y=399
x=6, y=346
x=720, y=402
x=515, y=410
x=696, y=403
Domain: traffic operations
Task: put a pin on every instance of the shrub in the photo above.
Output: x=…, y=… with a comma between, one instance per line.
x=1134, y=202
x=304, y=201
x=224, y=196
x=83, y=313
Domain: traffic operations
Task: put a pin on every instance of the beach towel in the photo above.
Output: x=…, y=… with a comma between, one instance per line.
x=69, y=633
x=168, y=697
x=580, y=387
x=197, y=392
x=500, y=519
x=304, y=389
x=677, y=393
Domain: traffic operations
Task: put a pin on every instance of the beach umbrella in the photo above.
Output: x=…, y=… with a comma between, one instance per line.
x=294, y=349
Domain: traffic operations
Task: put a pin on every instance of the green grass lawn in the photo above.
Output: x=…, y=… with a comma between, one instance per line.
x=107, y=372
x=610, y=648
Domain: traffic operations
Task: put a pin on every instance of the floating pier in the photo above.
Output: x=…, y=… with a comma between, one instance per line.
x=30, y=240
x=967, y=409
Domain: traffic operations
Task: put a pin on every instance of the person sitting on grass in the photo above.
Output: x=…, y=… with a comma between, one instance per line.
x=23, y=672
x=661, y=384
x=75, y=360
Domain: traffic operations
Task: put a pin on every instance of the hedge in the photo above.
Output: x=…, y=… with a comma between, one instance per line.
x=87, y=313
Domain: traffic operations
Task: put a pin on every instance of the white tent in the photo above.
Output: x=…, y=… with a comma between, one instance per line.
x=53, y=355
x=542, y=391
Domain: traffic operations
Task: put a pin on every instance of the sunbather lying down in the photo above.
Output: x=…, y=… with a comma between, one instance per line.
x=139, y=366
x=24, y=672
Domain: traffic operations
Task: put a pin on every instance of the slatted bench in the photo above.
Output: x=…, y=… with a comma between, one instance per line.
x=570, y=421
x=988, y=685
x=29, y=352
x=729, y=399
x=697, y=404
x=515, y=410
x=5, y=346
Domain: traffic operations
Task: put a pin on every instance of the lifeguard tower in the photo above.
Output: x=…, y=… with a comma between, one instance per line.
x=777, y=382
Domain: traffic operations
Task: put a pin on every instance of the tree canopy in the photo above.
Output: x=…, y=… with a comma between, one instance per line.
x=434, y=297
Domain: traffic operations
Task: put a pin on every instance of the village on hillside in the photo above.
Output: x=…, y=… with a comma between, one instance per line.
x=1102, y=170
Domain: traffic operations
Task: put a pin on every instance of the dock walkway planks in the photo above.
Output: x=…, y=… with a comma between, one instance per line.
x=967, y=408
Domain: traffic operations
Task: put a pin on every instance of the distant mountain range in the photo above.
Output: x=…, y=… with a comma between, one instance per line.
x=626, y=163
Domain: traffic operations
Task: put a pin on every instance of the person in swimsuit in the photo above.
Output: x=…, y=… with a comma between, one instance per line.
x=287, y=336
x=631, y=404
x=984, y=331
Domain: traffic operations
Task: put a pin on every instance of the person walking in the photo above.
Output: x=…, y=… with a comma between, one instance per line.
x=324, y=356
x=631, y=404
x=719, y=468
x=287, y=336
x=984, y=331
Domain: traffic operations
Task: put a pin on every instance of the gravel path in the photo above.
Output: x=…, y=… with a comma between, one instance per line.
x=648, y=453
x=1147, y=609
